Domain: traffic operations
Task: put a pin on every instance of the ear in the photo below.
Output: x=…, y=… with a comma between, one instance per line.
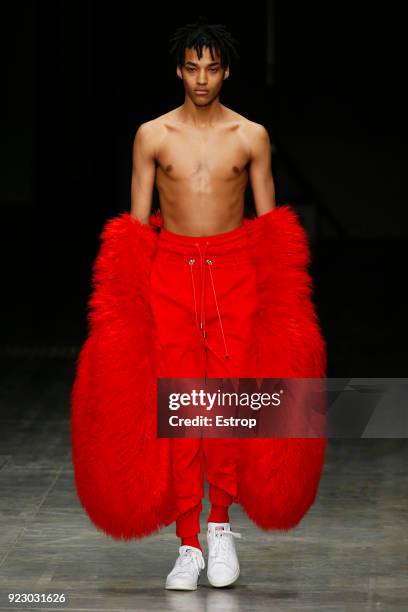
x=179, y=73
x=226, y=73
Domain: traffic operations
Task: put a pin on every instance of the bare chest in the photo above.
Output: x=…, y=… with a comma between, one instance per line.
x=210, y=156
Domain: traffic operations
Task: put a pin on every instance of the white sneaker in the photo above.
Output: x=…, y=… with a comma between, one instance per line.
x=223, y=566
x=186, y=570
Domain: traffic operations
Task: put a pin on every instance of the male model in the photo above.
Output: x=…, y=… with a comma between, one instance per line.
x=195, y=291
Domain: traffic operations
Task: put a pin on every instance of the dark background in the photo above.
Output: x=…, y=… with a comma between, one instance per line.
x=81, y=76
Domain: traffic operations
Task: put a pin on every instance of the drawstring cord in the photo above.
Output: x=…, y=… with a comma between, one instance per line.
x=191, y=261
x=202, y=325
x=216, y=303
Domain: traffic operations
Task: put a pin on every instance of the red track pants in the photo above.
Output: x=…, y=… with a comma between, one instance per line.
x=203, y=297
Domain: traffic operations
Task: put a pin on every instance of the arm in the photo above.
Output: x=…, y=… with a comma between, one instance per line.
x=143, y=173
x=260, y=172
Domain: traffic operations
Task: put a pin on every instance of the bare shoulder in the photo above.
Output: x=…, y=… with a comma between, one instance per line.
x=254, y=135
x=251, y=127
x=145, y=129
x=161, y=123
x=256, y=132
x=257, y=139
x=149, y=135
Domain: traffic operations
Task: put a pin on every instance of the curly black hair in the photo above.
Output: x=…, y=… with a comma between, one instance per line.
x=203, y=34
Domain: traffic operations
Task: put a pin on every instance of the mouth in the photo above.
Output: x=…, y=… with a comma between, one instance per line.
x=200, y=91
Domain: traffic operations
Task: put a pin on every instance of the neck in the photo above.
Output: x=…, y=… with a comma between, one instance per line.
x=201, y=116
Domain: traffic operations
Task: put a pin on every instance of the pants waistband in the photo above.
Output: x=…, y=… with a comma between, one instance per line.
x=231, y=242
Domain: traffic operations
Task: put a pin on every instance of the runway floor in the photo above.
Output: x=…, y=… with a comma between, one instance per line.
x=350, y=551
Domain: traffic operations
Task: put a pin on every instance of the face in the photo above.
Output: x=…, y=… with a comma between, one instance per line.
x=202, y=74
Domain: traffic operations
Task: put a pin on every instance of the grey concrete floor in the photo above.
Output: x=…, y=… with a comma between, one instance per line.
x=350, y=551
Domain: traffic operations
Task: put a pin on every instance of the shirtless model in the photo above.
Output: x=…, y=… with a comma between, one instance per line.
x=201, y=155
x=192, y=292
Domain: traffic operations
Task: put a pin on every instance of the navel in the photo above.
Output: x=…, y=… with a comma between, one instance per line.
x=169, y=168
x=235, y=169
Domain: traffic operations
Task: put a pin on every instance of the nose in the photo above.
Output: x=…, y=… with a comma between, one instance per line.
x=201, y=80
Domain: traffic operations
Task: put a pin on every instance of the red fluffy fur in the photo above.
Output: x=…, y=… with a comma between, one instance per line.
x=122, y=470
